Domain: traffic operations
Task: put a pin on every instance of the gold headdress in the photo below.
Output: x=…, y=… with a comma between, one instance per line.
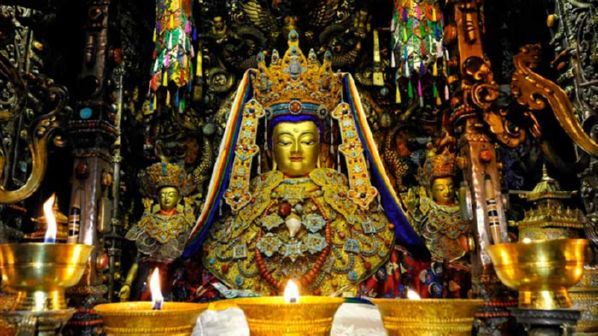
x=296, y=84
x=162, y=174
x=438, y=165
x=292, y=86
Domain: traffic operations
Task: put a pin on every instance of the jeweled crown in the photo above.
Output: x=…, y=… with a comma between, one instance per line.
x=439, y=165
x=162, y=174
x=296, y=84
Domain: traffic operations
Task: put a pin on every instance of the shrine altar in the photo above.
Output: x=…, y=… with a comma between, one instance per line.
x=351, y=319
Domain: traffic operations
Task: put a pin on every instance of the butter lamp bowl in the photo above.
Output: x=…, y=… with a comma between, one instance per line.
x=428, y=317
x=41, y=272
x=269, y=316
x=542, y=271
x=137, y=318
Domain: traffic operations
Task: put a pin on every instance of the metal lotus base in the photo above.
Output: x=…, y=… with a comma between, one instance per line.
x=544, y=322
x=428, y=317
x=139, y=319
x=269, y=316
x=541, y=271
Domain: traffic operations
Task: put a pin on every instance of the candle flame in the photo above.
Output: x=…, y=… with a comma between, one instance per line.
x=412, y=295
x=157, y=297
x=291, y=292
x=50, y=236
x=526, y=240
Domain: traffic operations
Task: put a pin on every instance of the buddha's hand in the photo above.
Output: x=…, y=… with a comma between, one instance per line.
x=125, y=293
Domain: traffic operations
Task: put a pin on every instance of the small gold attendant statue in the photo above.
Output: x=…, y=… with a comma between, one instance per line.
x=162, y=231
x=436, y=213
x=439, y=217
x=326, y=228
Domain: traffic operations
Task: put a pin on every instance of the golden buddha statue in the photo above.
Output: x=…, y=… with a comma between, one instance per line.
x=161, y=233
x=436, y=212
x=328, y=229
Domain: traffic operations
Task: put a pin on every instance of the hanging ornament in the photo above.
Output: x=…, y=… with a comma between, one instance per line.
x=173, y=51
x=416, y=41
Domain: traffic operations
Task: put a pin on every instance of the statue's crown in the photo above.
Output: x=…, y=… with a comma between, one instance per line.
x=162, y=174
x=296, y=84
x=439, y=165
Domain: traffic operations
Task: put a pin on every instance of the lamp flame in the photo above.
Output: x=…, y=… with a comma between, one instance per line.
x=157, y=298
x=50, y=236
x=291, y=292
x=526, y=240
x=412, y=295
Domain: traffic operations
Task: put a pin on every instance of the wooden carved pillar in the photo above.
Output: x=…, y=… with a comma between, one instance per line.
x=477, y=122
x=93, y=131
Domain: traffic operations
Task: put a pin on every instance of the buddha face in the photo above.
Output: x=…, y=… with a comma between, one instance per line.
x=168, y=198
x=443, y=191
x=296, y=147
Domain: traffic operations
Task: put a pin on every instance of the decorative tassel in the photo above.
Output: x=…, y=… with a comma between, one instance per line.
x=397, y=94
x=171, y=22
x=182, y=105
x=154, y=37
x=151, y=104
x=446, y=93
x=420, y=93
x=164, y=78
x=434, y=90
x=422, y=68
x=409, y=90
x=434, y=69
x=166, y=61
x=167, y=97
x=392, y=60
x=155, y=101
x=198, y=68
x=433, y=14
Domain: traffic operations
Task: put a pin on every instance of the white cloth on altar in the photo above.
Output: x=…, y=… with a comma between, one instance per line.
x=351, y=319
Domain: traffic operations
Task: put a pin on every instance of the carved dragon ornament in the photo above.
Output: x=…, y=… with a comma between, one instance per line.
x=37, y=134
x=533, y=91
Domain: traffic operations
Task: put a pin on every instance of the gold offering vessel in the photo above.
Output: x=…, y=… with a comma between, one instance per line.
x=541, y=271
x=40, y=273
x=428, y=317
x=139, y=319
x=269, y=316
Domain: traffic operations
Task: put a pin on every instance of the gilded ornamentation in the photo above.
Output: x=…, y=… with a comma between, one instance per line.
x=323, y=227
x=52, y=101
x=434, y=208
x=549, y=219
x=325, y=218
x=527, y=86
x=160, y=234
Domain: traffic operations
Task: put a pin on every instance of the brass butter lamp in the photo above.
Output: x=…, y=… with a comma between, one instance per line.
x=144, y=318
x=542, y=271
x=291, y=315
x=427, y=317
x=40, y=273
